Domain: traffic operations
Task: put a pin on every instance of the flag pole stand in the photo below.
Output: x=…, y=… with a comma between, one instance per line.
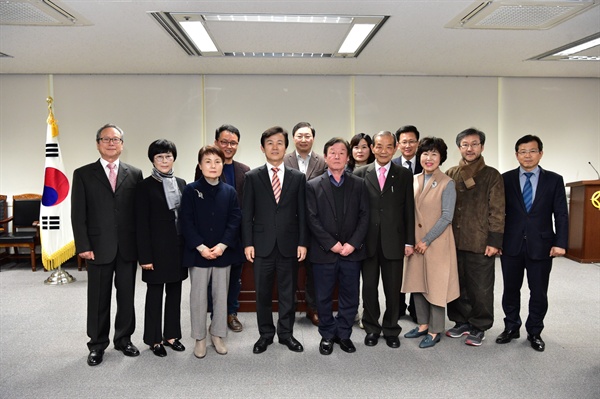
x=59, y=277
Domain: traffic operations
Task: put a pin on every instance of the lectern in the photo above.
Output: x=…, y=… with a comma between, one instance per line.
x=584, y=221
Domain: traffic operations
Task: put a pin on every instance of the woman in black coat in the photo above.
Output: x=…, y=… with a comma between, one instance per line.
x=158, y=200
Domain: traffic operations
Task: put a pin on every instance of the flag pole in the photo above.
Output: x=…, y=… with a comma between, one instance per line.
x=59, y=276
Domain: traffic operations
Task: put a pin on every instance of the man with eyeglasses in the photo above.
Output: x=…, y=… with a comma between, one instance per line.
x=227, y=138
x=103, y=220
x=408, y=142
x=478, y=227
x=312, y=165
x=536, y=230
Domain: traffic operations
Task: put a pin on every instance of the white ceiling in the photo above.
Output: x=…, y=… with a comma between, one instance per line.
x=124, y=39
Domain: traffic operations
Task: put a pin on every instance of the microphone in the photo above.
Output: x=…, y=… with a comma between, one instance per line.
x=595, y=170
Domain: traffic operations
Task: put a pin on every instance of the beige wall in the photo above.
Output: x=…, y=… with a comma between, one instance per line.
x=187, y=108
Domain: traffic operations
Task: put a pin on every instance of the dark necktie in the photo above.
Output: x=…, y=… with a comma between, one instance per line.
x=528, y=191
x=409, y=166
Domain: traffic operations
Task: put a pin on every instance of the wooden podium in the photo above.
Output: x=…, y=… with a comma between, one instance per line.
x=584, y=221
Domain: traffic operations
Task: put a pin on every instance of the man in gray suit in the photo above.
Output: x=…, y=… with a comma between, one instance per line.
x=391, y=236
x=103, y=219
x=312, y=165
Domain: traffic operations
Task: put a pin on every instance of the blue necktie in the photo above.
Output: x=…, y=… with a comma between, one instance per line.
x=528, y=192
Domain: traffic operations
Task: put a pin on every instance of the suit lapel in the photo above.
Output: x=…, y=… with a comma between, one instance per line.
x=101, y=175
x=515, y=186
x=312, y=163
x=263, y=176
x=371, y=176
x=326, y=186
x=288, y=177
x=540, y=188
x=293, y=160
x=122, y=174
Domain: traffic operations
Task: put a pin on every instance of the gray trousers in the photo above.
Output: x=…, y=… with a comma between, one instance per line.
x=434, y=316
x=200, y=276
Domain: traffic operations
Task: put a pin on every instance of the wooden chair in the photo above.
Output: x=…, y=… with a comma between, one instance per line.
x=3, y=222
x=25, y=222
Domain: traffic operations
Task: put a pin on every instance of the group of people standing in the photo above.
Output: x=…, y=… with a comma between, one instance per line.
x=354, y=211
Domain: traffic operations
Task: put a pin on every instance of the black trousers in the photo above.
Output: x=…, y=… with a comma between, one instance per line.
x=266, y=269
x=538, y=279
x=391, y=276
x=475, y=305
x=153, y=316
x=100, y=282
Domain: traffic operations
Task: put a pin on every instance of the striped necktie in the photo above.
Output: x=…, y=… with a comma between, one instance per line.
x=276, y=184
x=528, y=192
x=112, y=176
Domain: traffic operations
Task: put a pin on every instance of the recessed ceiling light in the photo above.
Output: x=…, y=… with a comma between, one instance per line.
x=586, y=49
x=350, y=34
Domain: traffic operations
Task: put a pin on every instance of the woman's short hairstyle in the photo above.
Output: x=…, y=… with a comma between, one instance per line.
x=354, y=142
x=161, y=146
x=430, y=144
x=210, y=149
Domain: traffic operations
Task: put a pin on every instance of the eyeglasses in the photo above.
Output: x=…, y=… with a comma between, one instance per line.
x=525, y=152
x=231, y=144
x=161, y=158
x=466, y=146
x=114, y=140
x=303, y=136
x=409, y=142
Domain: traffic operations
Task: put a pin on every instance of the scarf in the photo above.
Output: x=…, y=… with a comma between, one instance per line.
x=468, y=171
x=171, y=188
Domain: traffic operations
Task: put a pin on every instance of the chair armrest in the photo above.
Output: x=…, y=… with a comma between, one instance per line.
x=8, y=219
x=36, y=223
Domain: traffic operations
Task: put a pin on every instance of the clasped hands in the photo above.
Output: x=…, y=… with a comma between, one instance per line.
x=342, y=249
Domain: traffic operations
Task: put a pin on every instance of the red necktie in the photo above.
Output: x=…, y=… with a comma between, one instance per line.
x=276, y=184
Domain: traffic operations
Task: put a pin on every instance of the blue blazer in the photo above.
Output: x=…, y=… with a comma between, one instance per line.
x=210, y=215
x=535, y=229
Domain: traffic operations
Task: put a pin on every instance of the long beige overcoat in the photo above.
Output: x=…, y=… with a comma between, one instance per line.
x=435, y=273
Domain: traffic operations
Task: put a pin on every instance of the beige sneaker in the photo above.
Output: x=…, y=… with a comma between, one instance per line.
x=219, y=345
x=200, y=348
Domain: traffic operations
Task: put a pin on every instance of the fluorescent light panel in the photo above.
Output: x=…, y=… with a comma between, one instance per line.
x=586, y=49
x=579, y=48
x=199, y=35
x=310, y=19
x=355, y=38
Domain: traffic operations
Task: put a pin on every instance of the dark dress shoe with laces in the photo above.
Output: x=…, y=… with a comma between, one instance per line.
x=507, y=335
x=128, y=349
x=95, y=357
x=371, y=339
x=159, y=350
x=326, y=346
x=261, y=345
x=392, y=342
x=292, y=344
x=176, y=345
x=537, y=342
x=345, y=344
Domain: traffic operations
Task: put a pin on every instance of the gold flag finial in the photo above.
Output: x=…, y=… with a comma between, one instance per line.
x=51, y=121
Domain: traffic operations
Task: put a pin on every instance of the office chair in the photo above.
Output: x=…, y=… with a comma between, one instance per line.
x=25, y=222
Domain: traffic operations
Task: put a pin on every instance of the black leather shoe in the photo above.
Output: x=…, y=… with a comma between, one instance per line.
x=507, y=335
x=537, y=342
x=176, y=345
x=392, y=342
x=345, y=344
x=128, y=349
x=95, y=357
x=292, y=344
x=326, y=346
x=371, y=339
x=261, y=345
x=159, y=350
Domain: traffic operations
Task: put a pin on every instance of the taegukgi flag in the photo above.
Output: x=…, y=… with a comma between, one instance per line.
x=57, y=241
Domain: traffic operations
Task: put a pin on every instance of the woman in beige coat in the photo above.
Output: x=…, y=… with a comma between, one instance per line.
x=431, y=273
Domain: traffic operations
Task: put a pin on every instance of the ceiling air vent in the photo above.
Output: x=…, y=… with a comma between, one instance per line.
x=504, y=14
x=38, y=12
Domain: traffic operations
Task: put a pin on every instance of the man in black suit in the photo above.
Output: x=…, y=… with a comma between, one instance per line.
x=103, y=219
x=227, y=138
x=312, y=165
x=408, y=142
x=534, y=198
x=274, y=235
x=391, y=236
x=337, y=205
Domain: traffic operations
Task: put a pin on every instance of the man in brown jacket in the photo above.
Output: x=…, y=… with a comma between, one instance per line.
x=478, y=227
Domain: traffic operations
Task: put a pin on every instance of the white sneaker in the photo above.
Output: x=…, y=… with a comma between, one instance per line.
x=219, y=345
x=200, y=348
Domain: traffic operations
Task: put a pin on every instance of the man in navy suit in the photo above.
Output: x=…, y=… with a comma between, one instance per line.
x=274, y=235
x=337, y=205
x=103, y=219
x=534, y=197
x=408, y=142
